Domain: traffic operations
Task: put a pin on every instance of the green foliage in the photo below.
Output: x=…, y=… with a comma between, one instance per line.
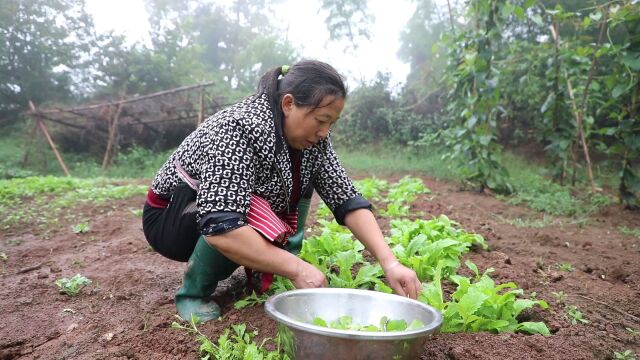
x=321, y=250
x=424, y=244
x=631, y=232
x=236, y=345
x=371, y=188
x=566, y=267
x=279, y=285
x=368, y=276
x=624, y=355
x=473, y=100
x=401, y=195
x=41, y=43
x=81, y=228
x=479, y=304
x=560, y=296
x=373, y=115
x=347, y=20
x=232, y=44
x=346, y=323
x=72, y=286
x=375, y=161
x=575, y=316
x=541, y=194
x=49, y=197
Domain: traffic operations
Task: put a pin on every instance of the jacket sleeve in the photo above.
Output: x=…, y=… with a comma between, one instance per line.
x=336, y=188
x=227, y=174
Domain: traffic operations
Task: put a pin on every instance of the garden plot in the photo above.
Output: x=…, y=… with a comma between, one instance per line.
x=507, y=290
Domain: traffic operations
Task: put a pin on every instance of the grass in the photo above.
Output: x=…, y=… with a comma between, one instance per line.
x=372, y=161
x=134, y=162
x=533, y=188
x=539, y=193
x=50, y=198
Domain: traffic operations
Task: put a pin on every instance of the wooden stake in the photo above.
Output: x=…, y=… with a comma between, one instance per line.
x=579, y=119
x=135, y=99
x=30, y=138
x=113, y=129
x=578, y=115
x=201, y=109
x=43, y=128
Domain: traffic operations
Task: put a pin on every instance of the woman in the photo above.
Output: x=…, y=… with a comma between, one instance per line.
x=272, y=148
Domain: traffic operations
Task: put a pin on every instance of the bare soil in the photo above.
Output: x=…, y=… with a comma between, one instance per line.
x=127, y=311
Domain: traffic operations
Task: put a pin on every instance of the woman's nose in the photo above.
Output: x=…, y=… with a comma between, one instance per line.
x=323, y=132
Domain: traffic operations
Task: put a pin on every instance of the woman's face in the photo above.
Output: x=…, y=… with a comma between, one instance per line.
x=304, y=128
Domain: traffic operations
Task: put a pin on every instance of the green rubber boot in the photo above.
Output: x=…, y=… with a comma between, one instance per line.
x=206, y=267
x=295, y=241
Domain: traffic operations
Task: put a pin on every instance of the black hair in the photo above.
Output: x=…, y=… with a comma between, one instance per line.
x=308, y=81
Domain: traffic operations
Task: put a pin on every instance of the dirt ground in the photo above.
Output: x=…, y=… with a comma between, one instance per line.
x=127, y=311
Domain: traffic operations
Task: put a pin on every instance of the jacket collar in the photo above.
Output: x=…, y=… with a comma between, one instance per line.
x=311, y=159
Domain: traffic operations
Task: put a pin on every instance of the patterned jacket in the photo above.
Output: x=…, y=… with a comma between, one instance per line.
x=241, y=150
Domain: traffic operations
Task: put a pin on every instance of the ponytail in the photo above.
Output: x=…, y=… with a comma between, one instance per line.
x=308, y=81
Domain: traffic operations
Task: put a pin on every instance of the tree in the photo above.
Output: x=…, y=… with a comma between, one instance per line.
x=41, y=44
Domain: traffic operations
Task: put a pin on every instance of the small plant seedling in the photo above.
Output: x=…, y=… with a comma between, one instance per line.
x=73, y=286
x=567, y=267
x=4, y=257
x=631, y=232
x=633, y=332
x=137, y=212
x=560, y=296
x=81, y=228
x=625, y=355
x=14, y=242
x=575, y=316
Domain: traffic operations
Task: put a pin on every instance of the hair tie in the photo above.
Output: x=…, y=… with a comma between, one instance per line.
x=284, y=69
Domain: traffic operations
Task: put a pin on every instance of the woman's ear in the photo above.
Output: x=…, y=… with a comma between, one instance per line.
x=287, y=103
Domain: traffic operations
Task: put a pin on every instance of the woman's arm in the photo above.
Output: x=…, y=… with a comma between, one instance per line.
x=246, y=247
x=365, y=228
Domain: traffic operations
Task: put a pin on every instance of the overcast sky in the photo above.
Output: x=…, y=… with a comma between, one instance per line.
x=306, y=30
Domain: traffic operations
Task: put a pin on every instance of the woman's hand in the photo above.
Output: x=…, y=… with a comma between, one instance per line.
x=402, y=280
x=308, y=276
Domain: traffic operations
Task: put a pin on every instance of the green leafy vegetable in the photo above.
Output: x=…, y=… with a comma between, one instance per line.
x=73, y=286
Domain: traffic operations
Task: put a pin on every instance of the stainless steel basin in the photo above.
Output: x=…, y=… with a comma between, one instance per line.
x=295, y=310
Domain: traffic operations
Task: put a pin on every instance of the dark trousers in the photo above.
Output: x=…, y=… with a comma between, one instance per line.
x=173, y=232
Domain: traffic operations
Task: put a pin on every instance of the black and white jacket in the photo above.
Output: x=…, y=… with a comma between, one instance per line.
x=241, y=151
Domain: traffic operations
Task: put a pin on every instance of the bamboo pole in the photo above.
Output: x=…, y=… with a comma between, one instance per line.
x=578, y=115
x=43, y=128
x=126, y=101
x=201, y=108
x=30, y=138
x=113, y=129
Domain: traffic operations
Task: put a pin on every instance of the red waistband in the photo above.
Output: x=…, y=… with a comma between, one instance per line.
x=156, y=201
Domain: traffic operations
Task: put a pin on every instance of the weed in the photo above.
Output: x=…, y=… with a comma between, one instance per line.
x=13, y=242
x=633, y=332
x=546, y=221
x=136, y=212
x=73, y=286
x=625, y=355
x=560, y=296
x=44, y=200
x=4, y=257
x=567, y=267
x=575, y=316
x=631, y=232
x=81, y=228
